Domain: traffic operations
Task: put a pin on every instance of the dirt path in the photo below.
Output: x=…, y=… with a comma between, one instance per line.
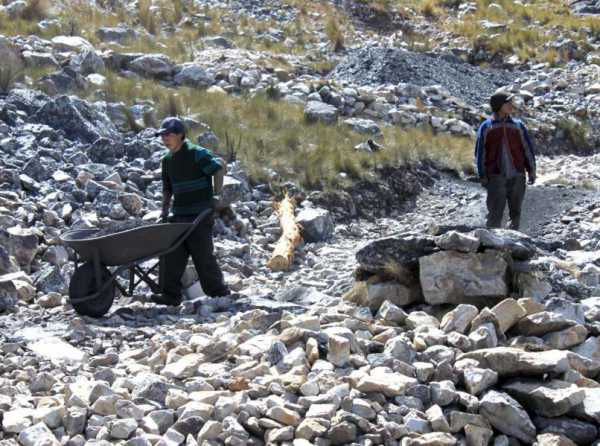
x=543, y=205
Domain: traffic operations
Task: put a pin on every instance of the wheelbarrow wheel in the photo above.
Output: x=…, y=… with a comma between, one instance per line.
x=83, y=284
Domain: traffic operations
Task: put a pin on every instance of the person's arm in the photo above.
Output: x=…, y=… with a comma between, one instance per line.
x=166, y=205
x=167, y=193
x=219, y=176
x=529, y=153
x=480, y=154
x=214, y=167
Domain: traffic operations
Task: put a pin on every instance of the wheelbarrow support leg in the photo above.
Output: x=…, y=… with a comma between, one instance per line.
x=97, y=269
x=131, y=279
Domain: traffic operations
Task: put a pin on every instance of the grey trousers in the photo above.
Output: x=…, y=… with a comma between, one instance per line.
x=500, y=191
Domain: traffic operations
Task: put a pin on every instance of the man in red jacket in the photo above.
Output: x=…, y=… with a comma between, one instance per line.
x=504, y=153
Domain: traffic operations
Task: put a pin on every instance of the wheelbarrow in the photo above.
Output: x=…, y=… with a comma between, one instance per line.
x=100, y=260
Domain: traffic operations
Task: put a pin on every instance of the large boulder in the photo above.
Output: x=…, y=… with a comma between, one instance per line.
x=105, y=151
x=152, y=65
x=22, y=244
x=57, y=350
x=508, y=313
x=119, y=34
x=64, y=81
x=26, y=100
x=457, y=241
x=87, y=62
x=585, y=7
x=539, y=324
x=566, y=338
x=589, y=349
x=373, y=294
x=39, y=59
x=459, y=319
x=151, y=387
x=316, y=111
x=193, y=75
x=317, y=224
x=38, y=434
x=509, y=361
x=71, y=43
x=184, y=367
x=384, y=381
x=79, y=120
x=51, y=280
x=9, y=294
x=218, y=41
x=400, y=253
x=590, y=406
x=455, y=277
x=365, y=126
x=507, y=416
x=233, y=190
x=581, y=432
x=518, y=244
x=569, y=310
x=549, y=399
x=8, y=263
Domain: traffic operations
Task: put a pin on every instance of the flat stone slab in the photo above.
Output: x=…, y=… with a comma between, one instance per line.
x=55, y=349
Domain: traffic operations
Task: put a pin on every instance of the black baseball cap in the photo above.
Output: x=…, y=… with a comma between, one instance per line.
x=171, y=125
x=498, y=100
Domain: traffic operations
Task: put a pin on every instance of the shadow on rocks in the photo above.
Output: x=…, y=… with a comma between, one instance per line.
x=394, y=189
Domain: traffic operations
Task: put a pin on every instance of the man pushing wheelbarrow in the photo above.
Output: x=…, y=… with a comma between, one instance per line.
x=190, y=175
x=188, y=172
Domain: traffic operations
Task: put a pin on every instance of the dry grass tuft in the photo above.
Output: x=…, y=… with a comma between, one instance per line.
x=358, y=295
x=335, y=34
x=429, y=8
x=11, y=68
x=35, y=10
x=270, y=135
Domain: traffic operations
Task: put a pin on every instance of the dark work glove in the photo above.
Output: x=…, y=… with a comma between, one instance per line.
x=484, y=181
x=164, y=218
x=531, y=178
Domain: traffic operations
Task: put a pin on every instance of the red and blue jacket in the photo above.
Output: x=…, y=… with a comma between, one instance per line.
x=488, y=148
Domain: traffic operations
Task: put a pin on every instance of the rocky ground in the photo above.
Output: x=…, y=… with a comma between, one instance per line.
x=313, y=356
x=401, y=322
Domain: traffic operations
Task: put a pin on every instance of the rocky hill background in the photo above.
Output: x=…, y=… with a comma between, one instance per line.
x=402, y=320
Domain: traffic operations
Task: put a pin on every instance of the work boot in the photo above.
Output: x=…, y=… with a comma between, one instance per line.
x=166, y=299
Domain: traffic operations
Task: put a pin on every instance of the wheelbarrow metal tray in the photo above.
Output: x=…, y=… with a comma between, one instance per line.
x=125, y=247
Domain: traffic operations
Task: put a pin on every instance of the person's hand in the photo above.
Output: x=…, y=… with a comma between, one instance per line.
x=223, y=164
x=531, y=178
x=218, y=203
x=484, y=181
x=164, y=218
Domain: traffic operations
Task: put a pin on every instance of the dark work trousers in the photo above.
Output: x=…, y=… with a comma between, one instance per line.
x=500, y=191
x=199, y=245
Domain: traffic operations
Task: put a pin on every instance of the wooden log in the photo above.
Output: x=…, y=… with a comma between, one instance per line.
x=283, y=254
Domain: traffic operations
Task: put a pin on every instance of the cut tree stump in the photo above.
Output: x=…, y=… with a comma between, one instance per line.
x=283, y=254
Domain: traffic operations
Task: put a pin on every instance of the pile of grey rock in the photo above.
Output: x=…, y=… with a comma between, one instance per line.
x=457, y=336
x=392, y=363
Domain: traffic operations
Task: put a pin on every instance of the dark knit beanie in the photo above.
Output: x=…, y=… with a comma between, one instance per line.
x=498, y=100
